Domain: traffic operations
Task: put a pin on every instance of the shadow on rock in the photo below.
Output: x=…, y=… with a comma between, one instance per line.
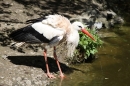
x=38, y=61
x=4, y=39
x=53, y=6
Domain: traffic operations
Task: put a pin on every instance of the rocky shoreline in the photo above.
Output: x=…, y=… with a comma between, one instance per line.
x=26, y=68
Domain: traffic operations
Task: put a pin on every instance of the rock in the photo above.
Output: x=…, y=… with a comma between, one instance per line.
x=14, y=14
x=10, y=83
x=98, y=25
x=1, y=77
x=4, y=56
x=105, y=23
x=18, y=79
x=27, y=83
x=118, y=20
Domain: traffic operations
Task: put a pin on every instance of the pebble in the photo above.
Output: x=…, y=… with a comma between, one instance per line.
x=2, y=77
x=13, y=79
x=106, y=78
x=19, y=79
x=28, y=82
x=10, y=82
x=38, y=83
x=4, y=56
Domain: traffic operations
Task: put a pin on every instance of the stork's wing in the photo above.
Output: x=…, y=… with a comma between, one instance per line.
x=49, y=30
x=38, y=33
x=55, y=21
x=28, y=34
x=58, y=21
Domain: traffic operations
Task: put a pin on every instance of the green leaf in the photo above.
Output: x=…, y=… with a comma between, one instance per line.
x=87, y=46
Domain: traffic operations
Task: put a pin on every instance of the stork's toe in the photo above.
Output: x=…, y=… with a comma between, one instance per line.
x=50, y=76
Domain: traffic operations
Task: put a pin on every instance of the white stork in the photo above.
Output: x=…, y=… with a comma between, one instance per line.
x=51, y=31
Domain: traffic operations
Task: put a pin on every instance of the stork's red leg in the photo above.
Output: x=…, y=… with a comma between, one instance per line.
x=55, y=56
x=47, y=67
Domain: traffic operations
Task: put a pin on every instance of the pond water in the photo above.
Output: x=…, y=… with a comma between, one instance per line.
x=111, y=68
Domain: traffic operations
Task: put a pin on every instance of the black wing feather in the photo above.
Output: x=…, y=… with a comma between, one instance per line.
x=28, y=34
x=35, y=20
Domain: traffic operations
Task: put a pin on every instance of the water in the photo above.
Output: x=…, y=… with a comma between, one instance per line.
x=111, y=68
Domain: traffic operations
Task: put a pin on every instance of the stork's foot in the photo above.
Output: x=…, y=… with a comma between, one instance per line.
x=50, y=76
x=62, y=75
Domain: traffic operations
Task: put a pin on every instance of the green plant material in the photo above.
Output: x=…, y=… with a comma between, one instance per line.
x=87, y=46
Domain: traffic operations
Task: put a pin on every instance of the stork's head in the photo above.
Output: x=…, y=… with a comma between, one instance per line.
x=80, y=27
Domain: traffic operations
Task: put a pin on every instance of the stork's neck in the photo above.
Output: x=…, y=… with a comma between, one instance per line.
x=72, y=41
x=73, y=37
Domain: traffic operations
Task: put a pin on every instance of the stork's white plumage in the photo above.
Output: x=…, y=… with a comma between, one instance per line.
x=51, y=31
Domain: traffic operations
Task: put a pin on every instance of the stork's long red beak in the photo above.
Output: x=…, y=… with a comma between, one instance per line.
x=87, y=33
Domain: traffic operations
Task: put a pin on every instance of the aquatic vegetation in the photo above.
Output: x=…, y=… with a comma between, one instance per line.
x=87, y=46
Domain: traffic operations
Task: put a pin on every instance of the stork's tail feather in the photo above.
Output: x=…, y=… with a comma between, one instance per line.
x=17, y=35
x=28, y=35
x=22, y=35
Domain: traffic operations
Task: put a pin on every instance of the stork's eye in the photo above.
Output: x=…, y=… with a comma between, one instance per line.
x=79, y=26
